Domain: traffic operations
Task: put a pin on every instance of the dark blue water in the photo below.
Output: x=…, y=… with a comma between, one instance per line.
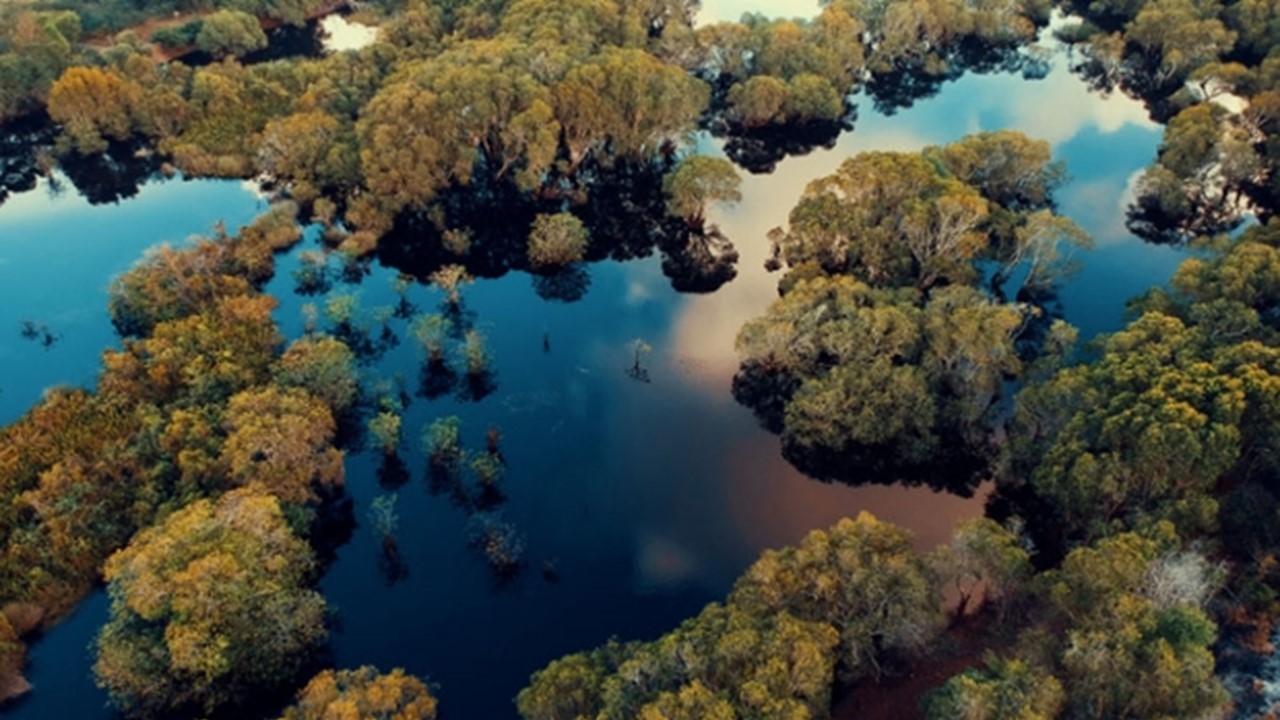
x=649, y=498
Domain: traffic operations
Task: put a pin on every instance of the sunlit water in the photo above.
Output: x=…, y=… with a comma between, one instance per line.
x=648, y=498
x=339, y=34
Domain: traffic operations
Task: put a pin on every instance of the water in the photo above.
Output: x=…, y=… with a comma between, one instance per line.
x=648, y=497
x=58, y=254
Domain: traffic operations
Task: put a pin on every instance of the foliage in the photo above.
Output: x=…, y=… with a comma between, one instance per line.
x=863, y=578
x=442, y=444
x=230, y=32
x=697, y=181
x=384, y=429
x=1132, y=651
x=556, y=241
x=363, y=693
x=872, y=372
x=93, y=104
x=851, y=598
x=382, y=513
x=184, y=410
x=1002, y=690
x=207, y=607
x=324, y=367
x=1148, y=430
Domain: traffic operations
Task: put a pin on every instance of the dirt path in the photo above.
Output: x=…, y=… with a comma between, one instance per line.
x=899, y=698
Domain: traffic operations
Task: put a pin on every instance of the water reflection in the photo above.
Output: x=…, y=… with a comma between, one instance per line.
x=1105, y=141
x=58, y=253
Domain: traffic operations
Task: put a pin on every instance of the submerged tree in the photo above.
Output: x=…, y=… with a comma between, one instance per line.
x=556, y=241
x=498, y=541
x=697, y=182
x=863, y=382
x=384, y=428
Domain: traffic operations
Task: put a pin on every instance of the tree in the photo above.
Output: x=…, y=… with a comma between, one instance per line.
x=324, y=367
x=230, y=32
x=1005, y=689
x=853, y=597
x=279, y=443
x=727, y=662
x=556, y=241
x=384, y=428
x=1146, y=431
x=888, y=219
x=869, y=374
x=1196, y=183
x=985, y=556
x=1177, y=36
x=628, y=101
x=696, y=182
x=861, y=577
x=760, y=101
x=1006, y=166
x=93, y=104
x=1132, y=651
x=207, y=607
x=200, y=359
x=299, y=147
x=363, y=693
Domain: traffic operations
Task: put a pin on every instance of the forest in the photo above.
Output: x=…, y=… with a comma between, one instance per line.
x=913, y=339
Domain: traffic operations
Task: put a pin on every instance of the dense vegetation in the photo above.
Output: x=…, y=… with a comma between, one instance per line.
x=1135, y=481
x=199, y=401
x=1119, y=630
x=884, y=355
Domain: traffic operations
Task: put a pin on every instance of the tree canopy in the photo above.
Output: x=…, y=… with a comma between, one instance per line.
x=208, y=606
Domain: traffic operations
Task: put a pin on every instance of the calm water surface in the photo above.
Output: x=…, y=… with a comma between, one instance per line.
x=649, y=498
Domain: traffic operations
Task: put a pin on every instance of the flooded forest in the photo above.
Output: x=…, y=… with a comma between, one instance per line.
x=639, y=359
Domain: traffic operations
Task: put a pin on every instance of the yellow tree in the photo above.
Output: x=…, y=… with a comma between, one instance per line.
x=278, y=443
x=207, y=607
x=92, y=104
x=363, y=693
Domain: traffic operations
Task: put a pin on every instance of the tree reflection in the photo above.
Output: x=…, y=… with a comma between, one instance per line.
x=392, y=472
x=566, y=285
x=759, y=150
x=622, y=205
x=22, y=143
x=115, y=175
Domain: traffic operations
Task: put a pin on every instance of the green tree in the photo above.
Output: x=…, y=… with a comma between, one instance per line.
x=384, y=429
x=889, y=219
x=874, y=373
x=1132, y=650
x=556, y=241
x=985, y=556
x=1004, y=689
x=1145, y=431
x=861, y=577
x=698, y=181
x=323, y=366
x=230, y=32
